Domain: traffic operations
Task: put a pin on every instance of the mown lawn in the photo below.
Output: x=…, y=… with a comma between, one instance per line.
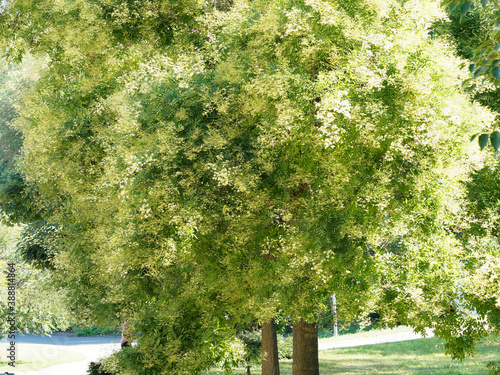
x=31, y=357
x=423, y=356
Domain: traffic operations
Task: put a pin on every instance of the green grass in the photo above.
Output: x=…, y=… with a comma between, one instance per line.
x=364, y=334
x=32, y=357
x=423, y=357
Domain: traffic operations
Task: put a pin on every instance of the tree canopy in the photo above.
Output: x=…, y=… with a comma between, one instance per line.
x=209, y=163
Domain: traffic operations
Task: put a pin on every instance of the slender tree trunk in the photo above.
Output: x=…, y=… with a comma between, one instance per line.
x=247, y=370
x=305, y=349
x=270, y=363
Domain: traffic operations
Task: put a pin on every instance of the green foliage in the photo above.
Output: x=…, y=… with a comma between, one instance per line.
x=253, y=346
x=494, y=368
x=468, y=33
x=484, y=55
x=96, y=368
x=216, y=164
x=483, y=198
x=285, y=347
x=18, y=200
x=82, y=331
x=40, y=306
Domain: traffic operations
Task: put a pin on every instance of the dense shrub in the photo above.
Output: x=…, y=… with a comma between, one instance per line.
x=285, y=347
x=95, y=368
x=253, y=345
x=82, y=331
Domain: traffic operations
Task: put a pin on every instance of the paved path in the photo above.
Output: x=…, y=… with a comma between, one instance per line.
x=92, y=347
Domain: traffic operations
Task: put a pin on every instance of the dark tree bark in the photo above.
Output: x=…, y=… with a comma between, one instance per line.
x=305, y=349
x=270, y=362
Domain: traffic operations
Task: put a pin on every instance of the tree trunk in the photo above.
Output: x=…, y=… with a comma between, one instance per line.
x=270, y=363
x=305, y=349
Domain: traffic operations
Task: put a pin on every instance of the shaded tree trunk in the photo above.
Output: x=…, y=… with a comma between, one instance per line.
x=270, y=362
x=305, y=349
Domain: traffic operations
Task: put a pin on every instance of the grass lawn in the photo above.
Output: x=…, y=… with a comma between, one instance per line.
x=32, y=357
x=422, y=356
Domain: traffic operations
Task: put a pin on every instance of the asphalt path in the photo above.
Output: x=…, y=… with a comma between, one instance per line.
x=96, y=347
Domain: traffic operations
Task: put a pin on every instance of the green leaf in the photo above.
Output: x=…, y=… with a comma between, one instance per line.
x=484, y=3
x=495, y=63
x=474, y=137
x=495, y=140
x=472, y=67
x=496, y=72
x=479, y=72
x=483, y=141
x=465, y=8
x=497, y=47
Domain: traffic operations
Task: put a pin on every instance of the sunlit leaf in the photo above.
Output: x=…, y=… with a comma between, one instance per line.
x=478, y=72
x=495, y=140
x=484, y=3
x=496, y=72
x=483, y=140
x=465, y=8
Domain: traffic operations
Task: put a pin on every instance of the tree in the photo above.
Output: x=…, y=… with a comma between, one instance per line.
x=238, y=161
x=39, y=306
x=305, y=348
x=270, y=361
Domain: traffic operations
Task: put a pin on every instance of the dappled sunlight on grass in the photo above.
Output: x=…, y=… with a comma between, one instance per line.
x=423, y=356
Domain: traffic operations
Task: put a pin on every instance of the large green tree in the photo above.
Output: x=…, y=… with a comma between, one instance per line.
x=211, y=163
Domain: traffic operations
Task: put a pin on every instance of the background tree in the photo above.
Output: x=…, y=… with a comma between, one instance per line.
x=20, y=202
x=40, y=306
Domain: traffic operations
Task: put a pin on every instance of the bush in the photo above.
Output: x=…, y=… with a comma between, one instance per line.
x=95, y=368
x=253, y=344
x=285, y=347
x=494, y=368
x=82, y=331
